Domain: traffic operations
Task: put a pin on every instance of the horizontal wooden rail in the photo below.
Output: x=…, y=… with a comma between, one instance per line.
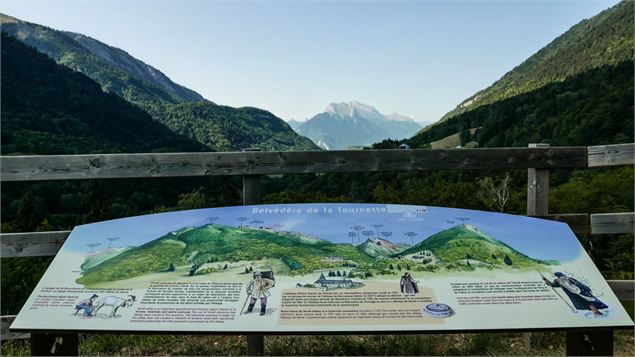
x=612, y=223
x=578, y=222
x=623, y=289
x=611, y=155
x=72, y=167
x=31, y=244
x=5, y=334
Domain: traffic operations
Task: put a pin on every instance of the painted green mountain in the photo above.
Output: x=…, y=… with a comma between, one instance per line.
x=50, y=109
x=463, y=243
x=605, y=39
x=377, y=247
x=209, y=243
x=182, y=110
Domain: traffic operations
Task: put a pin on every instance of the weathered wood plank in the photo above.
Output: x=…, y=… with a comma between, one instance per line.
x=578, y=222
x=612, y=223
x=251, y=186
x=71, y=167
x=31, y=244
x=5, y=334
x=611, y=155
x=623, y=289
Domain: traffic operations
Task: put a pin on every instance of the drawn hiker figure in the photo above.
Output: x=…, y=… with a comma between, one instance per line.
x=258, y=288
x=87, y=305
x=579, y=294
x=408, y=285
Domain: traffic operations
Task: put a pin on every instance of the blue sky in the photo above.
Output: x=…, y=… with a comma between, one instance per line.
x=537, y=238
x=418, y=58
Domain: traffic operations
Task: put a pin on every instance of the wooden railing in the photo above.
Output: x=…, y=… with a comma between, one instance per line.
x=539, y=159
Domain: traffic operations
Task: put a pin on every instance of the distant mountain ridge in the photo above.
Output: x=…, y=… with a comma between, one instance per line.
x=122, y=60
x=184, y=111
x=343, y=125
x=113, y=68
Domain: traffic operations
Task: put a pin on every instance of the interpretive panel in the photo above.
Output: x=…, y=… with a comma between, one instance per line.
x=321, y=268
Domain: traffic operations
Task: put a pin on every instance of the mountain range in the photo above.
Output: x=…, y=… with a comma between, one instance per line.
x=185, y=112
x=349, y=124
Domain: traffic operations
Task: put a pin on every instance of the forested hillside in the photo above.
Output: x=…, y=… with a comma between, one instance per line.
x=182, y=110
x=50, y=109
x=605, y=39
x=234, y=128
x=591, y=108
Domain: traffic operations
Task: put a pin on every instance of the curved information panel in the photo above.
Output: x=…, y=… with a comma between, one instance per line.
x=321, y=268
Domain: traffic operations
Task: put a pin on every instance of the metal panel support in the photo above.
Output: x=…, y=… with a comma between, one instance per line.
x=593, y=343
x=48, y=344
x=255, y=345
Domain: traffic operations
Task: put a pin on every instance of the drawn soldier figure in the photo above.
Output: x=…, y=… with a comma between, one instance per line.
x=579, y=294
x=258, y=288
x=86, y=305
x=408, y=285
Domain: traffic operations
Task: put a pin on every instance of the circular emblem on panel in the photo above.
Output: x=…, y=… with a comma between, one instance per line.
x=438, y=310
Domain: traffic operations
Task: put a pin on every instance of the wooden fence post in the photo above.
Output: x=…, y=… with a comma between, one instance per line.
x=537, y=201
x=251, y=187
x=592, y=343
x=538, y=189
x=251, y=196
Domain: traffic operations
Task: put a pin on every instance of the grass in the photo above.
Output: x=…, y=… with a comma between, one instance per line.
x=491, y=344
x=450, y=141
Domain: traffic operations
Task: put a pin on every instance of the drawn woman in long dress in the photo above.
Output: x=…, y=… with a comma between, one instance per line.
x=579, y=294
x=408, y=285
